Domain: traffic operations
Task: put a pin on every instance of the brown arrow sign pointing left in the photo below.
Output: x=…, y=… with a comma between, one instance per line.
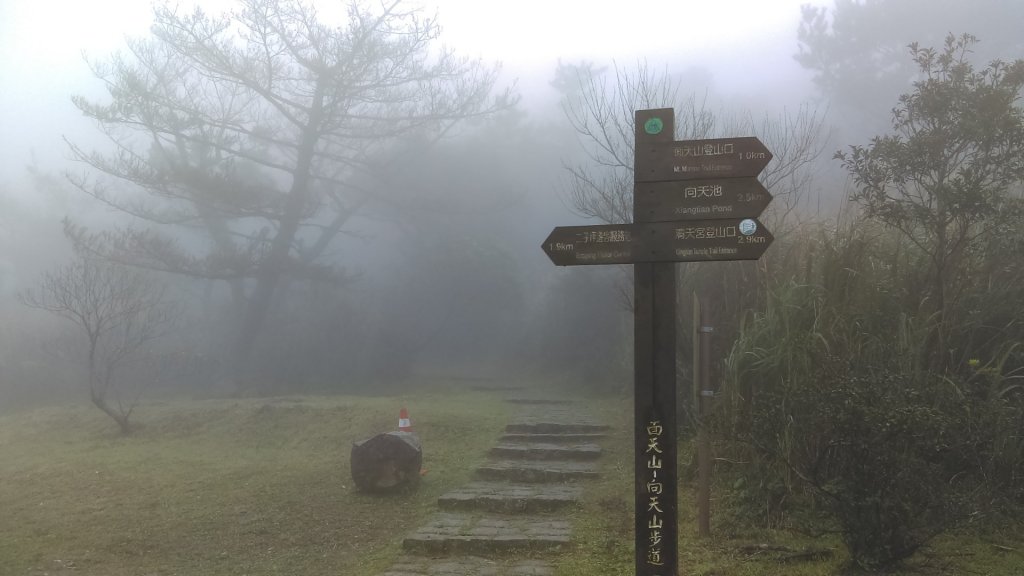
x=693, y=241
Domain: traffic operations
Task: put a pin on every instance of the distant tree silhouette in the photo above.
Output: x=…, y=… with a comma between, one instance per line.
x=243, y=143
x=856, y=50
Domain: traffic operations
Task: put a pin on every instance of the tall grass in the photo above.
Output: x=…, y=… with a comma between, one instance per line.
x=833, y=353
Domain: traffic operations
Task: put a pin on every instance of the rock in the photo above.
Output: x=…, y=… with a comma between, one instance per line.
x=387, y=462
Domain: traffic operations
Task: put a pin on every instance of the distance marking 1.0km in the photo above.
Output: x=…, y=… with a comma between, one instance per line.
x=739, y=157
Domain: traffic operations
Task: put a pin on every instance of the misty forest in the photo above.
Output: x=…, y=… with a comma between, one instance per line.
x=281, y=228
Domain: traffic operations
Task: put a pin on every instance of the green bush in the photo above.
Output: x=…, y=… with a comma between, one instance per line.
x=836, y=420
x=886, y=462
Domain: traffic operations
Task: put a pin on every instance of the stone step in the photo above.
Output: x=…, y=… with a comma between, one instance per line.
x=491, y=535
x=537, y=471
x=538, y=401
x=531, y=425
x=510, y=498
x=467, y=566
x=495, y=388
x=553, y=438
x=546, y=451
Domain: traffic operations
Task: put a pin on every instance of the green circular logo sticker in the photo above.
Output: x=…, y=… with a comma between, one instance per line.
x=653, y=126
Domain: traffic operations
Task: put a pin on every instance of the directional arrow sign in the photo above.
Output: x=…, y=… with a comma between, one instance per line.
x=699, y=199
x=696, y=241
x=742, y=157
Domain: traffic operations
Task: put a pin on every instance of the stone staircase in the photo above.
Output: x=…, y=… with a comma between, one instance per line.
x=508, y=523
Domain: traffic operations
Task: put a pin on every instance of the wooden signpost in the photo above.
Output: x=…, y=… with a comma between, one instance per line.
x=693, y=201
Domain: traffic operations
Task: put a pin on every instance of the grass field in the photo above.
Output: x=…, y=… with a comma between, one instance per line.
x=262, y=486
x=223, y=487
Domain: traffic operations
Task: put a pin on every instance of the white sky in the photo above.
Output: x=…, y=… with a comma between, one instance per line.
x=745, y=43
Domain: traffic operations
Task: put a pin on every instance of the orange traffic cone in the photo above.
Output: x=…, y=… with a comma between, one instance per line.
x=404, y=424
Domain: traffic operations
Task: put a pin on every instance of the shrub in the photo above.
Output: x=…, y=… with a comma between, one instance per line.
x=886, y=462
x=829, y=405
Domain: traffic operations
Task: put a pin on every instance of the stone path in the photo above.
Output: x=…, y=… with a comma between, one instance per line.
x=510, y=498
x=507, y=522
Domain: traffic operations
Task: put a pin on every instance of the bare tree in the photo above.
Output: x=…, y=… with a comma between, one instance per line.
x=600, y=109
x=256, y=135
x=119, y=310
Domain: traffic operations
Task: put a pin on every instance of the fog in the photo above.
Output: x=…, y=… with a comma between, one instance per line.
x=437, y=267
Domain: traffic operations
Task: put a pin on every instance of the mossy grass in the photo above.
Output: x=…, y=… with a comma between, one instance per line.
x=254, y=486
x=262, y=486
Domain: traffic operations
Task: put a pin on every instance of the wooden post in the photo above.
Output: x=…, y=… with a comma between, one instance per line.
x=654, y=301
x=703, y=437
x=694, y=412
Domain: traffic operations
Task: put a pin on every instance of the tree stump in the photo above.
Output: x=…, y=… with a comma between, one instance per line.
x=387, y=462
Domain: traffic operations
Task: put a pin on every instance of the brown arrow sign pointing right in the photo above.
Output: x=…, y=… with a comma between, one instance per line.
x=699, y=199
x=741, y=157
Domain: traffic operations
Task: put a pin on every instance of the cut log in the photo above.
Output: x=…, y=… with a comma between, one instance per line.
x=387, y=462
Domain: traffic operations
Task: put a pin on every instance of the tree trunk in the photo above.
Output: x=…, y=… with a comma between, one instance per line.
x=276, y=262
x=100, y=401
x=938, y=353
x=98, y=387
